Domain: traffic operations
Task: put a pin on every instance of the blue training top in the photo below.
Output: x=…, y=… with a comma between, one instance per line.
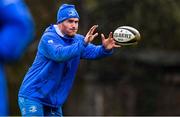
x=17, y=30
x=52, y=73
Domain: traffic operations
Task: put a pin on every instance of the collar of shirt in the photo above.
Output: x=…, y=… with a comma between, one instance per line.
x=58, y=31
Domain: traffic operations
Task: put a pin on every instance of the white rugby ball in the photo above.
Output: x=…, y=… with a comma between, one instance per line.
x=126, y=35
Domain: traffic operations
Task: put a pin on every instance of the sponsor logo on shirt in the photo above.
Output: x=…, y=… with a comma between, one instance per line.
x=50, y=41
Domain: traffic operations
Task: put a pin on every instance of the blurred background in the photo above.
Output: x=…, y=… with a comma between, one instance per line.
x=136, y=80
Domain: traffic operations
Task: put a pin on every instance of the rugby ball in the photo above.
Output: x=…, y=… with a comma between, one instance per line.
x=126, y=35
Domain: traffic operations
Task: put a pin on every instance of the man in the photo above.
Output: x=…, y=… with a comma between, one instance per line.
x=49, y=80
x=16, y=31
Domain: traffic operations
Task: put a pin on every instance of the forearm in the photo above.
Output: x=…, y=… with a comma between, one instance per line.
x=95, y=52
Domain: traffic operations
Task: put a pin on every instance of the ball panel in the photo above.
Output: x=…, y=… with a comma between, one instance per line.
x=133, y=30
x=126, y=35
x=123, y=35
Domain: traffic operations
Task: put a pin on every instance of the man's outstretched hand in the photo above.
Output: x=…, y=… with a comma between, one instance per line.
x=90, y=35
x=109, y=43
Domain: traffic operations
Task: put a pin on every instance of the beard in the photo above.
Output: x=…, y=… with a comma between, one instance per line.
x=71, y=33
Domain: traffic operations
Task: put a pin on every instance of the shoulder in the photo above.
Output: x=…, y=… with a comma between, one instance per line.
x=50, y=36
x=50, y=33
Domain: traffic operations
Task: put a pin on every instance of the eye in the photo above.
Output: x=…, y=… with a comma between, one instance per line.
x=76, y=22
x=70, y=21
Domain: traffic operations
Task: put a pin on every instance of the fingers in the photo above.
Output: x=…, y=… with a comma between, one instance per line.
x=109, y=38
x=117, y=46
x=91, y=31
x=90, y=38
x=110, y=35
x=95, y=35
x=102, y=37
